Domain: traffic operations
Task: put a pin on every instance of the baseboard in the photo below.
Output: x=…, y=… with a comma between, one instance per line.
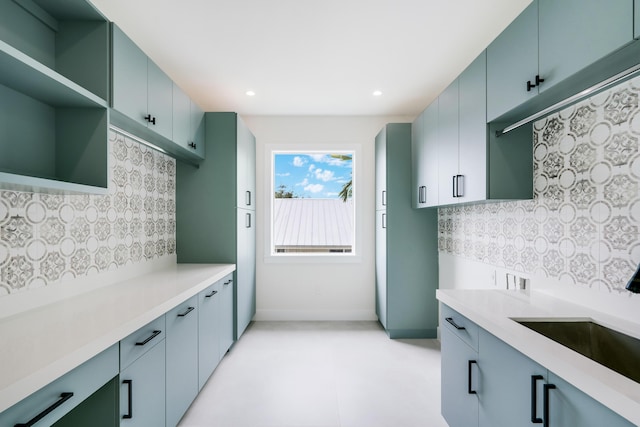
x=314, y=315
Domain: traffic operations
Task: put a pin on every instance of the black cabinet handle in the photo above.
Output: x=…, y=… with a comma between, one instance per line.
x=422, y=194
x=228, y=282
x=129, y=413
x=211, y=294
x=384, y=197
x=538, y=80
x=189, y=310
x=453, y=185
x=247, y=198
x=150, y=119
x=530, y=85
x=247, y=220
x=153, y=335
x=458, y=185
x=384, y=220
x=545, y=402
x=63, y=398
x=470, y=389
x=534, y=399
x=454, y=324
x=192, y=145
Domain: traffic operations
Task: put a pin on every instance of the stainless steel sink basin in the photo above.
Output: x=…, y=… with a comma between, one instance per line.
x=610, y=348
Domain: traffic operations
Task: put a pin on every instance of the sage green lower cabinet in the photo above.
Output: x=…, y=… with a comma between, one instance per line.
x=488, y=383
x=58, y=398
x=226, y=316
x=98, y=410
x=142, y=389
x=182, y=359
x=636, y=19
x=209, y=328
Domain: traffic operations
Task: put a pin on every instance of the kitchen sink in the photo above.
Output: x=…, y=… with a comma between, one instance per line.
x=610, y=348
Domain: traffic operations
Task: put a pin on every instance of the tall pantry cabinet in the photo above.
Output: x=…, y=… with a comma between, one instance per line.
x=215, y=209
x=406, y=243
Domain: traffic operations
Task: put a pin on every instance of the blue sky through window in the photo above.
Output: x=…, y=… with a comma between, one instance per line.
x=312, y=175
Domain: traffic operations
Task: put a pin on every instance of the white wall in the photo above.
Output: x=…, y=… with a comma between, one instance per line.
x=318, y=290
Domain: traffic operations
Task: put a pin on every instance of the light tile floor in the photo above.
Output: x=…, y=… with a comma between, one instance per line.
x=322, y=374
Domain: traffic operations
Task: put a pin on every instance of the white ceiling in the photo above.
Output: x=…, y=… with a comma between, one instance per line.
x=312, y=57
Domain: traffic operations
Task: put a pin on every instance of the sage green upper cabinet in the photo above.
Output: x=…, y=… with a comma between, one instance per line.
x=381, y=170
x=141, y=90
x=424, y=157
x=553, y=42
x=188, y=122
x=246, y=167
x=418, y=195
x=472, y=141
x=512, y=61
x=448, y=121
x=576, y=33
x=636, y=19
x=129, y=77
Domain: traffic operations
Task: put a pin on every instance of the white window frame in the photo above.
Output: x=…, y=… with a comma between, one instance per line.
x=350, y=257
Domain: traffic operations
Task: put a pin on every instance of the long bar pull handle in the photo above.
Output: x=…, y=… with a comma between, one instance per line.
x=63, y=398
x=453, y=186
x=247, y=198
x=422, y=194
x=534, y=399
x=384, y=220
x=211, y=294
x=470, y=389
x=247, y=220
x=152, y=336
x=545, y=402
x=459, y=185
x=189, y=310
x=384, y=197
x=129, y=413
x=453, y=323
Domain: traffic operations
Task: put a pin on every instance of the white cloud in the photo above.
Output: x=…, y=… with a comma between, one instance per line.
x=324, y=175
x=304, y=182
x=314, y=188
x=311, y=167
x=299, y=161
x=283, y=174
x=331, y=194
x=318, y=157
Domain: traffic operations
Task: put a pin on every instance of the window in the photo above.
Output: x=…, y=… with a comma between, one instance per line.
x=312, y=203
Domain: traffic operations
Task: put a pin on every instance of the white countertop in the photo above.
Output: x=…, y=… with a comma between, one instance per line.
x=40, y=345
x=493, y=311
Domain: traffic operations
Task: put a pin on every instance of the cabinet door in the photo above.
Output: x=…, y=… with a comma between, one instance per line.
x=142, y=390
x=246, y=167
x=473, y=130
x=208, y=332
x=495, y=388
x=636, y=19
x=381, y=266
x=196, y=128
x=429, y=160
x=459, y=407
x=226, y=315
x=245, y=270
x=448, y=136
x=417, y=172
x=512, y=60
x=160, y=102
x=576, y=33
x=182, y=359
x=381, y=169
x=569, y=407
x=181, y=118
x=129, y=77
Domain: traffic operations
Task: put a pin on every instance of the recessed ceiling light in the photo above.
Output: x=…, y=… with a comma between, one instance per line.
x=377, y=93
x=251, y=93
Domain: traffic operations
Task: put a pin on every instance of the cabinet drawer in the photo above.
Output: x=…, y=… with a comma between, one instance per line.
x=139, y=342
x=462, y=327
x=80, y=383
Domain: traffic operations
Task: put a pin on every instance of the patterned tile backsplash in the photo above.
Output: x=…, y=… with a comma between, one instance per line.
x=582, y=226
x=48, y=238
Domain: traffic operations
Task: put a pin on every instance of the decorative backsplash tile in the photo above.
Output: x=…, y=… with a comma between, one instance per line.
x=47, y=238
x=583, y=224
